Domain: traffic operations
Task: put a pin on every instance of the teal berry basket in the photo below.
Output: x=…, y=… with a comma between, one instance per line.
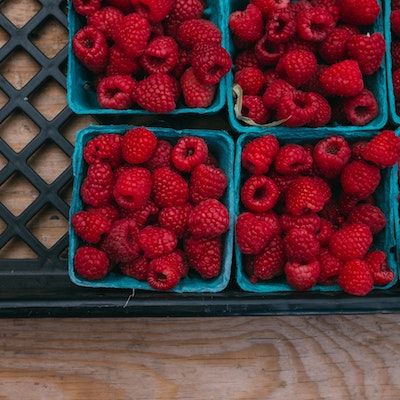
x=376, y=83
x=221, y=145
x=81, y=95
x=386, y=199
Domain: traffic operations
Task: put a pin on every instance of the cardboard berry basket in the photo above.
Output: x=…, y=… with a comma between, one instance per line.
x=376, y=83
x=221, y=145
x=81, y=95
x=386, y=198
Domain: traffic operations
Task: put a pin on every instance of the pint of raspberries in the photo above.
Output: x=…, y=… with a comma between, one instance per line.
x=309, y=62
x=153, y=210
x=309, y=213
x=150, y=54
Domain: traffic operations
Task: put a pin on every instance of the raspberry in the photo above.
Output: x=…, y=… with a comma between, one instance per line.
x=258, y=155
x=86, y=7
x=395, y=50
x=361, y=109
x=359, y=12
x=314, y=24
x=300, y=6
x=90, y=47
x=196, y=93
x=188, y=153
x=175, y=218
x=120, y=64
x=142, y=216
x=138, y=145
x=97, y=187
x=310, y=222
x=105, y=20
x=343, y=79
x=259, y=194
x=183, y=10
x=124, y=5
x=160, y=56
x=347, y=203
x=281, y=26
x=302, y=276
x=254, y=109
x=169, y=188
x=396, y=83
x=270, y=75
x=156, y=242
x=369, y=215
x=247, y=25
x=297, y=67
x=164, y=274
x=383, y=150
x=121, y=243
x=379, y=268
x=245, y=59
x=330, y=6
x=330, y=267
x=204, y=256
x=323, y=114
x=198, y=31
x=91, y=263
x=106, y=147
x=184, y=62
x=137, y=269
x=293, y=159
x=208, y=219
x=132, y=34
x=157, y=93
x=132, y=188
x=116, y=91
x=360, y=179
x=269, y=53
x=154, y=10
x=325, y=232
x=269, y=6
x=89, y=226
x=334, y=48
x=161, y=156
x=274, y=93
x=251, y=80
x=300, y=44
x=331, y=155
x=307, y=194
x=355, y=278
x=301, y=245
x=109, y=212
x=357, y=149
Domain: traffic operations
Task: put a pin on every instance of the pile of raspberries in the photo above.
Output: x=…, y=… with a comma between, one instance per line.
x=395, y=25
x=309, y=212
x=152, y=209
x=306, y=63
x=150, y=53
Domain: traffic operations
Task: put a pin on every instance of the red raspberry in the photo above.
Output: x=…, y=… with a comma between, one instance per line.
x=184, y=62
x=251, y=80
x=396, y=83
x=300, y=6
x=109, y=212
x=369, y=215
x=282, y=181
x=198, y=31
x=359, y=12
x=175, y=218
x=355, y=278
x=89, y=226
x=137, y=268
x=143, y=215
x=86, y=7
x=154, y=10
x=307, y=194
x=254, y=109
x=325, y=232
x=315, y=24
x=281, y=26
x=395, y=51
x=395, y=22
x=204, y=256
x=310, y=222
x=343, y=79
x=164, y=274
x=302, y=276
x=379, y=268
x=293, y=159
x=124, y=5
x=245, y=59
x=156, y=242
x=324, y=112
x=183, y=10
x=274, y=93
x=247, y=25
x=169, y=188
x=259, y=194
x=90, y=47
x=105, y=20
x=269, y=6
x=361, y=109
x=330, y=267
x=161, y=156
x=116, y=91
x=331, y=155
x=97, y=187
x=157, y=93
x=132, y=34
x=91, y=263
x=268, y=53
x=258, y=155
x=301, y=245
x=334, y=48
x=359, y=179
x=300, y=44
x=120, y=64
x=106, y=147
x=188, y=153
x=208, y=219
x=347, y=203
x=329, y=5
x=132, y=188
x=383, y=150
x=121, y=243
x=138, y=145
x=351, y=241
x=270, y=75
x=357, y=149
x=196, y=93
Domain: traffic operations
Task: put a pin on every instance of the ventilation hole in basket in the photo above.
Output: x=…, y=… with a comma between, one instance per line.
x=75, y=124
x=49, y=162
x=4, y=36
x=19, y=68
x=49, y=99
x=17, y=194
x=18, y=130
x=64, y=7
x=3, y=99
x=66, y=193
x=3, y=226
x=19, y=12
x=17, y=249
x=48, y=226
x=3, y=161
x=50, y=37
x=64, y=254
x=63, y=67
